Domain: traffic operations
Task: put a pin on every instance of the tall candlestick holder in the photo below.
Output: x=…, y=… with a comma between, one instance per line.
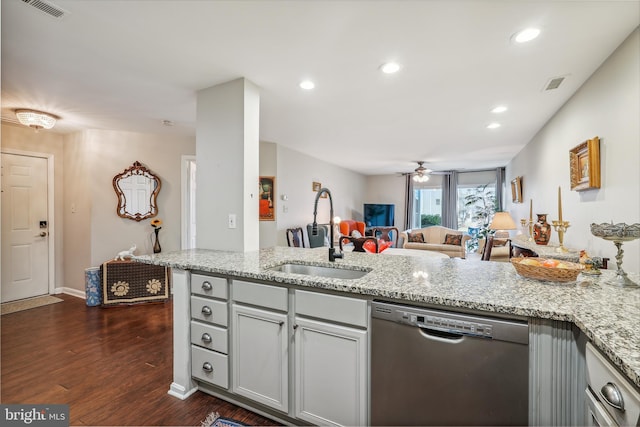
x=561, y=228
x=529, y=225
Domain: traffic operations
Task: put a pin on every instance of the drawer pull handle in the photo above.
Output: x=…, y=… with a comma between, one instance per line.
x=295, y=327
x=611, y=394
x=206, y=338
x=206, y=366
x=206, y=285
x=206, y=310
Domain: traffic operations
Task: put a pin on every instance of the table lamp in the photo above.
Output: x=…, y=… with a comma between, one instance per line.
x=502, y=221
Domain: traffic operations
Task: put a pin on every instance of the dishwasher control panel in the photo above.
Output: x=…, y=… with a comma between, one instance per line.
x=451, y=322
x=444, y=324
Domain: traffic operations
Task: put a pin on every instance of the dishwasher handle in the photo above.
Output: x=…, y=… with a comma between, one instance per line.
x=441, y=336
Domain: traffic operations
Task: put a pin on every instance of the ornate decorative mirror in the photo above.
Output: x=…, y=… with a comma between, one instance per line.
x=137, y=189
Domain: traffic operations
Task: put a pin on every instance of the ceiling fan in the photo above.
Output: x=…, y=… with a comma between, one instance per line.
x=421, y=173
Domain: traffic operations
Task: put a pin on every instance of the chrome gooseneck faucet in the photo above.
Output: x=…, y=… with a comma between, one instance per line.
x=314, y=227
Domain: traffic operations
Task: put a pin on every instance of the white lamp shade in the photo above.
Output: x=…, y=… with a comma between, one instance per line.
x=502, y=221
x=36, y=119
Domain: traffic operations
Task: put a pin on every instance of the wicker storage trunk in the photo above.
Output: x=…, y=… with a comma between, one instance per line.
x=129, y=282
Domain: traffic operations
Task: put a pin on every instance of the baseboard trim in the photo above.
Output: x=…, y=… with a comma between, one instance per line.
x=71, y=291
x=176, y=390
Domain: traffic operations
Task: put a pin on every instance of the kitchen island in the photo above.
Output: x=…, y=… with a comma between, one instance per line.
x=608, y=316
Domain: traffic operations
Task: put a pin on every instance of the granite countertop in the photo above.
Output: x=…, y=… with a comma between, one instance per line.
x=608, y=315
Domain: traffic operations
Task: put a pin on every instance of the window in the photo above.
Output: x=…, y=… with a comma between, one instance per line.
x=427, y=203
x=476, y=204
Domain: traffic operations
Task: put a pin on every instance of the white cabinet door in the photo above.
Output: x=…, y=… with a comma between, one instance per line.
x=260, y=356
x=331, y=373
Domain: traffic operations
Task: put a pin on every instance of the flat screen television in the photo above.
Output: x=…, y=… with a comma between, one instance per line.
x=378, y=215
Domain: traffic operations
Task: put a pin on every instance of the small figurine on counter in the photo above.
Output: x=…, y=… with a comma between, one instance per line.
x=126, y=254
x=590, y=265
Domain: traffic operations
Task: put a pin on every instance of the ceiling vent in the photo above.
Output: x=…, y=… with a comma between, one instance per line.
x=554, y=83
x=46, y=7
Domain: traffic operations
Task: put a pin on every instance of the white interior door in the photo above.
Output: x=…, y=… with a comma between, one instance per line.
x=25, y=227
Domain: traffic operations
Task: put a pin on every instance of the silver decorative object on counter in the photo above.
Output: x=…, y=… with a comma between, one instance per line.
x=618, y=233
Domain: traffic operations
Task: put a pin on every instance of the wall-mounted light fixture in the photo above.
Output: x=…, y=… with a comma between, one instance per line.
x=36, y=119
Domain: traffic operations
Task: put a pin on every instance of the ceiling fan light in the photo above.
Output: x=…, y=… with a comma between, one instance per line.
x=36, y=119
x=421, y=173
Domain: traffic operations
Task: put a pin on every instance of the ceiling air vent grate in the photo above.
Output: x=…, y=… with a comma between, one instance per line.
x=46, y=7
x=554, y=83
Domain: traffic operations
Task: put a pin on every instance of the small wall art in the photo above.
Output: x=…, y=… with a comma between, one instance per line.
x=267, y=200
x=584, y=164
x=316, y=186
x=516, y=189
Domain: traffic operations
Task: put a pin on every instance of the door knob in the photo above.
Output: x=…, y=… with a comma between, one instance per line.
x=42, y=234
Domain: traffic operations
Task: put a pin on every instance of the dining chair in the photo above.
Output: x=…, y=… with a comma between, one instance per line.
x=488, y=245
x=319, y=239
x=388, y=234
x=295, y=237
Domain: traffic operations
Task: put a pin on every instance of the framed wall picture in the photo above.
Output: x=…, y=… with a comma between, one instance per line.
x=266, y=191
x=316, y=186
x=516, y=189
x=584, y=165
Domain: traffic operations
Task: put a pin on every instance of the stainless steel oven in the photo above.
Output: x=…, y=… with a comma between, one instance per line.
x=611, y=399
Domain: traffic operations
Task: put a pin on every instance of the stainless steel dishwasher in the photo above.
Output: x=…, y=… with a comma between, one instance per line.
x=431, y=367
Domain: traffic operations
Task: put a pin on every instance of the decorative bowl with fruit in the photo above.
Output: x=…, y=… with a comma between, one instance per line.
x=547, y=269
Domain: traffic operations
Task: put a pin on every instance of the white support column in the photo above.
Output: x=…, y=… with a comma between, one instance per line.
x=182, y=385
x=227, y=154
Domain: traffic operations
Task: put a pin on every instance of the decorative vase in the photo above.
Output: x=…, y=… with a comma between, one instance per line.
x=156, y=244
x=541, y=230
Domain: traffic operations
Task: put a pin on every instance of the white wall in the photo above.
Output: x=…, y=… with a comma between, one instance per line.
x=95, y=233
x=78, y=202
x=607, y=106
x=296, y=173
x=388, y=189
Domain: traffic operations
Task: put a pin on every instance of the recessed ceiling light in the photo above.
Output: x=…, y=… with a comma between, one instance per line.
x=499, y=109
x=390, y=67
x=307, y=84
x=493, y=125
x=526, y=35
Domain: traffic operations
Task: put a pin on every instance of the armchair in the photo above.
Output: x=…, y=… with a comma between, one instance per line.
x=347, y=226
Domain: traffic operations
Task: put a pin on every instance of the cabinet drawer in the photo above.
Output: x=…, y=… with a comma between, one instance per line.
x=209, y=366
x=261, y=295
x=209, y=336
x=351, y=311
x=209, y=310
x=210, y=286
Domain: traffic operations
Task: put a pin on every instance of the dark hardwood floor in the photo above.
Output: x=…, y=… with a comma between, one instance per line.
x=112, y=366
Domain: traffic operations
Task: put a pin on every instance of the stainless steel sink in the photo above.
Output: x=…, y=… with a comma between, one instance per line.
x=321, y=271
